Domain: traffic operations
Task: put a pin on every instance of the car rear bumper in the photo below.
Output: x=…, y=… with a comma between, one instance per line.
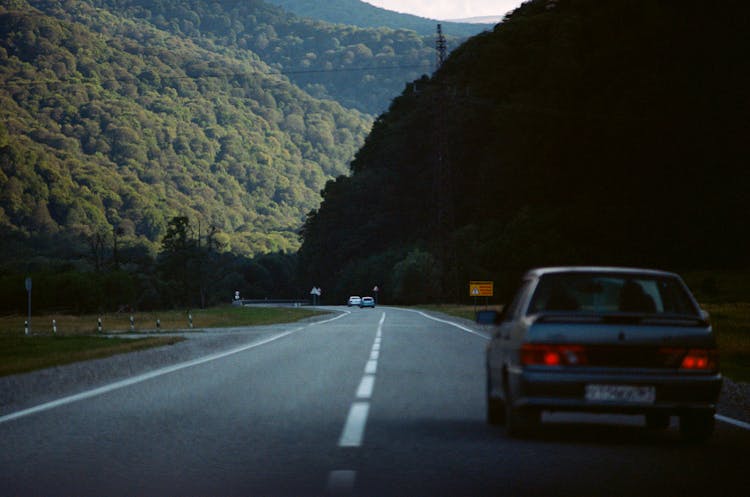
x=562, y=391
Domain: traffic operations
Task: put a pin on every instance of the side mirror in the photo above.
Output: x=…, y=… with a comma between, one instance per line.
x=486, y=317
x=705, y=316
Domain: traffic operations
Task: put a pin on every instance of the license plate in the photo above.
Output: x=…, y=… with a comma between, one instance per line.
x=621, y=393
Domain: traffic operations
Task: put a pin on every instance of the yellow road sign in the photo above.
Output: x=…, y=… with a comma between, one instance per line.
x=481, y=288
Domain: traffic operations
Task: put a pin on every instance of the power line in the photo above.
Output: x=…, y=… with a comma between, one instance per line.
x=352, y=69
x=221, y=75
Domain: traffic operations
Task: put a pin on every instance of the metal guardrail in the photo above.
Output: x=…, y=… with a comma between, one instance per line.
x=292, y=302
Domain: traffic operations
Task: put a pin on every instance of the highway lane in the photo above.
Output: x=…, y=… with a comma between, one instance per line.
x=379, y=402
x=433, y=439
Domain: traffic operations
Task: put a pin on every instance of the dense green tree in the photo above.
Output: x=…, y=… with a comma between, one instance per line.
x=179, y=261
x=416, y=279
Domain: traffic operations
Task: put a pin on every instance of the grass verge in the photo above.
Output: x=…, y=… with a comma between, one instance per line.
x=732, y=325
x=217, y=317
x=461, y=311
x=21, y=354
x=77, y=338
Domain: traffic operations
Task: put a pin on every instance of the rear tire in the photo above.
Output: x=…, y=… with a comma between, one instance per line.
x=495, y=407
x=657, y=421
x=697, y=426
x=495, y=411
x=520, y=421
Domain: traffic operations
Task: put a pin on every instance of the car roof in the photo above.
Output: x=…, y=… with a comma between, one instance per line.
x=538, y=272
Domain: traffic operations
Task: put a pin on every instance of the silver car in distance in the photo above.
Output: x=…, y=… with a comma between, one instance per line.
x=605, y=340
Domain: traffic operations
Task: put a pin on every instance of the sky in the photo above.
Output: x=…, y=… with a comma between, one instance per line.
x=448, y=9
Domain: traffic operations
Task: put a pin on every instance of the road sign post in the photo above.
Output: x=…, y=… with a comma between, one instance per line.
x=481, y=289
x=315, y=292
x=28, y=291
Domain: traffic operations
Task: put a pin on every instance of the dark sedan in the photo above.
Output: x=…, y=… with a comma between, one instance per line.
x=610, y=340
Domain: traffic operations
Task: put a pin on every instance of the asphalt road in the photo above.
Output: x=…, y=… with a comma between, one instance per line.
x=377, y=402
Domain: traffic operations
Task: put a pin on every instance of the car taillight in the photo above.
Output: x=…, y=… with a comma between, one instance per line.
x=552, y=355
x=691, y=359
x=699, y=359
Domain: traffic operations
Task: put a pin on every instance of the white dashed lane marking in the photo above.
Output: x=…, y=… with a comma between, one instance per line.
x=365, y=387
x=372, y=367
x=342, y=481
x=354, y=428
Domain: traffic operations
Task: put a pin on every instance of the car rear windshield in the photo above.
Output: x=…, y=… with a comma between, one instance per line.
x=605, y=293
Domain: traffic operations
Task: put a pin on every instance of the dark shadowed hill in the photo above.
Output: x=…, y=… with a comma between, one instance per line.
x=577, y=131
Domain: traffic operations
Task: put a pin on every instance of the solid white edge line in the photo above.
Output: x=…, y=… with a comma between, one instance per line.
x=343, y=313
x=456, y=325
x=146, y=376
x=732, y=421
x=354, y=427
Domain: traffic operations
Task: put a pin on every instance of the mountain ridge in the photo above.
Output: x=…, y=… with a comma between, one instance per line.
x=363, y=68
x=363, y=14
x=478, y=20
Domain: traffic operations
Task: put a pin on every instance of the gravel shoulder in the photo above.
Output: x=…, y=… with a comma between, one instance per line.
x=27, y=390
x=735, y=400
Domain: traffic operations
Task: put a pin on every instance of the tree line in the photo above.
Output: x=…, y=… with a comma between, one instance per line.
x=102, y=274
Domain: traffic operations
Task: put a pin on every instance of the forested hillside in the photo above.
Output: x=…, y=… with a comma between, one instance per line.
x=578, y=131
x=110, y=123
x=126, y=125
x=357, y=13
x=361, y=68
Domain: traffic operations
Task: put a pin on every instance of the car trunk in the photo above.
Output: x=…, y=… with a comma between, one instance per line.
x=627, y=341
